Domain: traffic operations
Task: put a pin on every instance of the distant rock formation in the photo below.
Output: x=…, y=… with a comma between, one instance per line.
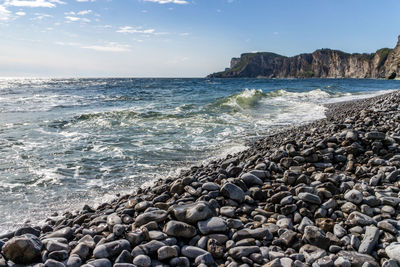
x=323, y=63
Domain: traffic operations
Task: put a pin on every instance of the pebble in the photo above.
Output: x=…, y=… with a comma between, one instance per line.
x=179, y=229
x=393, y=251
x=310, y=198
x=192, y=213
x=24, y=249
x=142, y=261
x=111, y=249
x=166, y=252
x=151, y=216
x=370, y=240
x=233, y=192
x=212, y=225
x=354, y=196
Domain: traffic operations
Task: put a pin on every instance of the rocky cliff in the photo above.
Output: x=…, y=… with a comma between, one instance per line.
x=323, y=63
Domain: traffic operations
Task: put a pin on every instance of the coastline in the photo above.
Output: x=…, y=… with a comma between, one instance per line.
x=256, y=207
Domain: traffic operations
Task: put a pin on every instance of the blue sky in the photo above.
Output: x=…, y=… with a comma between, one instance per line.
x=179, y=38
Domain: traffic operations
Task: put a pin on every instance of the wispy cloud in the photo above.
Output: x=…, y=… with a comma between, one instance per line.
x=33, y=3
x=20, y=13
x=85, y=0
x=79, y=13
x=131, y=30
x=4, y=14
x=75, y=19
x=179, y=2
x=40, y=16
x=110, y=47
x=107, y=47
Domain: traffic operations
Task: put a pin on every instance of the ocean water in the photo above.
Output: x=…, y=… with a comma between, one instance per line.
x=68, y=142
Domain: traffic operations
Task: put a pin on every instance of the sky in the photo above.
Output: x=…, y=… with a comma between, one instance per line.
x=179, y=38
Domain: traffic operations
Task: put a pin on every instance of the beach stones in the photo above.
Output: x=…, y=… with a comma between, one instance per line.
x=354, y=196
x=212, y=225
x=323, y=196
x=166, y=252
x=316, y=237
x=179, y=229
x=24, y=249
x=250, y=179
x=357, y=218
x=243, y=251
x=192, y=213
x=233, y=192
x=370, y=240
x=393, y=251
x=375, y=135
x=110, y=249
x=142, y=261
x=151, y=216
x=192, y=252
x=309, y=198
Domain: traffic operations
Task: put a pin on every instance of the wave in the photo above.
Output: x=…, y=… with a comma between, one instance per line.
x=250, y=98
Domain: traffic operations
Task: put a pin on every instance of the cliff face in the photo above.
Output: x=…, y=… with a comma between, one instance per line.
x=323, y=63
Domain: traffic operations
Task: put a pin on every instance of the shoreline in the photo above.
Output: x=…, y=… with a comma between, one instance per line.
x=259, y=206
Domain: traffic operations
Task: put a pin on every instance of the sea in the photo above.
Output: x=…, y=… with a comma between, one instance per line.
x=69, y=142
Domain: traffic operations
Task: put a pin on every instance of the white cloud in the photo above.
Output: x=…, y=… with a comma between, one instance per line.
x=4, y=14
x=179, y=2
x=107, y=47
x=110, y=47
x=85, y=1
x=67, y=44
x=40, y=16
x=74, y=19
x=129, y=29
x=84, y=12
x=79, y=13
x=20, y=13
x=33, y=3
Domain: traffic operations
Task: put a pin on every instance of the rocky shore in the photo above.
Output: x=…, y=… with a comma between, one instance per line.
x=323, y=194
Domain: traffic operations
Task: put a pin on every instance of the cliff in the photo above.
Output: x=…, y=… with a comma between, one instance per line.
x=323, y=63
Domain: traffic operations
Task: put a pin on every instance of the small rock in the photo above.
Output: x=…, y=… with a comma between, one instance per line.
x=310, y=198
x=179, y=229
x=192, y=252
x=212, y=225
x=233, y=192
x=142, y=261
x=110, y=249
x=24, y=249
x=192, y=213
x=370, y=240
x=155, y=215
x=354, y=196
x=315, y=236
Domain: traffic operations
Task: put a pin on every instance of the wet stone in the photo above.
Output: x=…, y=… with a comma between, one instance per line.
x=24, y=249
x=315, y=236
x=179, y=229
x=212, y=225
x=310, y=198
x=142, y=261
x=233, y=192
x=110, y=249
x=166, y=252
x=370, y=240
x=192, y=213
x=155, y=215
x=354, y=196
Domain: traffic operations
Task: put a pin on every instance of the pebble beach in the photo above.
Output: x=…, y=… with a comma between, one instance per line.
x=322, y=194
